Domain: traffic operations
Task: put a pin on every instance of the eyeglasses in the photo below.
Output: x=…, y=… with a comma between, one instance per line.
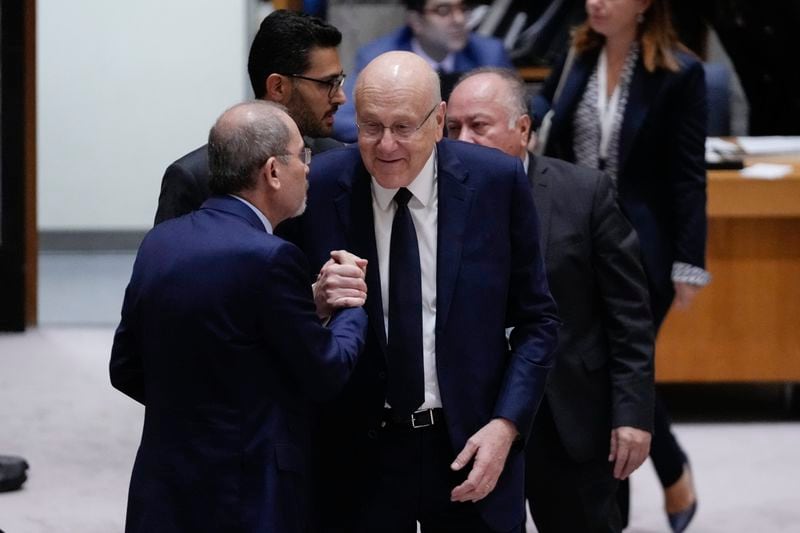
x=447, y=10
x=334, y=83
x=401, y=130
x=305, y=155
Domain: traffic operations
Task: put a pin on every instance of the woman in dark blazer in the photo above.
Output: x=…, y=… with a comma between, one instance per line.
x=633, y=103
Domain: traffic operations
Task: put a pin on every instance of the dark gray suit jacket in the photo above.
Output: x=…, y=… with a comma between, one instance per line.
x=184, y=186
x=603, y=372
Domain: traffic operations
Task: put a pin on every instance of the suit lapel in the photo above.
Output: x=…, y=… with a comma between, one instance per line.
x=640, y=97
x=355, y=213
x=537, y=174
x=455, y=200
x=573, y=88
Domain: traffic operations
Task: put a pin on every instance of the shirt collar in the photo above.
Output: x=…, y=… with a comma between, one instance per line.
x=421, y=186
x=259, y=214
x=526, y=162
x=448, y=64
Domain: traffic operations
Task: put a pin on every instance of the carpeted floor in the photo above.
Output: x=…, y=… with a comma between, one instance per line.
x=80, y=436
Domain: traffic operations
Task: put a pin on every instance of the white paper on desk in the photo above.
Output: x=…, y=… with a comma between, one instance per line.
x=721, y=146
x=766, y=171
x=776, y=144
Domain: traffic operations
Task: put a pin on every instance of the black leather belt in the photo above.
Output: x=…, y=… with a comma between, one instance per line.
x=418, y=420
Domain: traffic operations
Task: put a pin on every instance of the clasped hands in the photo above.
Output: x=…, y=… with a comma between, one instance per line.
x=341, y=282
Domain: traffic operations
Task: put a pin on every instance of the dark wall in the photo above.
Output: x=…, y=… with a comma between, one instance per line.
x=12, y=175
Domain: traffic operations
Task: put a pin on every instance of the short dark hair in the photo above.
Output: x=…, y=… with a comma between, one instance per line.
x=283, y=43
x=242, y=139
x=415, y=5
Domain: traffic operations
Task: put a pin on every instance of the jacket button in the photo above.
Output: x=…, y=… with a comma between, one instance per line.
x=372, y=434
x=382, y=375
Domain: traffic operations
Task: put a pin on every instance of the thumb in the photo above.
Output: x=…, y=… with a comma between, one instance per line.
x=464, y=456
x=612, y=454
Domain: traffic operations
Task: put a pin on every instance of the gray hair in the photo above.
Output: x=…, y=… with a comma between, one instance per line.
x=517, y=101
x=243, y=138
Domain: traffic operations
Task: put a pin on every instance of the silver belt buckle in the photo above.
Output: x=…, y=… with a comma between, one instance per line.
x=425, y=419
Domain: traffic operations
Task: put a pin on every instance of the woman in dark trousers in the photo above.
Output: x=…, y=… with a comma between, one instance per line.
x=633, y=103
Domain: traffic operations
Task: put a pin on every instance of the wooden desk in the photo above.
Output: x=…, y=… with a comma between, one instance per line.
x=745, y=326
x=534, y=74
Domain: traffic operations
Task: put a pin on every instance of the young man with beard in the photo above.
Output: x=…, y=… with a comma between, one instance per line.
x=293, y=61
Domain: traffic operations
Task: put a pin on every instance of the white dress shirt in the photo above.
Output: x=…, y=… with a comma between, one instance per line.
x=424, y=209
x=261, y=216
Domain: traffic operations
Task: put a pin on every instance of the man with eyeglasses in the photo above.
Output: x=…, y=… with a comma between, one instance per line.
x=221, y=342
x=436, y=30
x=594, y=426
x=293, y=61
x=431, y=427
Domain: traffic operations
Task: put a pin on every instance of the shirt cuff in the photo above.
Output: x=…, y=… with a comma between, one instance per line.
x=693, y=275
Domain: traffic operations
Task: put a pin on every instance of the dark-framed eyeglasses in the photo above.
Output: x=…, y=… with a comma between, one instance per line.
x=401, y=130
x=334, y=84
x=305, y=155
x=447, y=10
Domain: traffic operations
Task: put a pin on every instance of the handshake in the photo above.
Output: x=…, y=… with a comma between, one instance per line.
x=341, y=282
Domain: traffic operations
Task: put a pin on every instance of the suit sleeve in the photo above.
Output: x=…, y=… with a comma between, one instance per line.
x=179, y=193
x=688, y=173
x=623, y=288
x=531, y=312
x=320, y=357
x=126, y=368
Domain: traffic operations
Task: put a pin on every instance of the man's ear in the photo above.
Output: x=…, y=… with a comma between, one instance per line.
x=439, y=116
x=279, y=88
x=271, y=174
x=524, y=125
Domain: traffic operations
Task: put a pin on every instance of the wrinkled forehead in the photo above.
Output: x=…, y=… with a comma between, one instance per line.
x=377, y=100
x=469, y=96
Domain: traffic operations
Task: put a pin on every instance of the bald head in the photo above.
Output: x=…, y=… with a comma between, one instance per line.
x=487, y=107
x=400, y=116
x=398, y=71
x=241, y=141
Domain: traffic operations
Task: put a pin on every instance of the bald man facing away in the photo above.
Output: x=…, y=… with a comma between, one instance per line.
x=221, y=342
x=431, y=427
x=594, y=425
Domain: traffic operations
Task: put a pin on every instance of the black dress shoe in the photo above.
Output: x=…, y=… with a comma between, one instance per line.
x=680, y=521
x=12, y=472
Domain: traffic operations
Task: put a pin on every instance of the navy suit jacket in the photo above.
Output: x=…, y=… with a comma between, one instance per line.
x=219, y=339
x=490, y=275
x=184, y=186
x=480, y=51
x=662, y=177
x=602, y=377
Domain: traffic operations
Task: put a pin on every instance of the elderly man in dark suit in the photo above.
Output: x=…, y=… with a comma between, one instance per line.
x=432, y=425
x=221, y=342
x=294, y=62
x=595, y=423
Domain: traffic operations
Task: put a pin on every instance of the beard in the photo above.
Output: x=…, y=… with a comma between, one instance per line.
x=307, y=123
x=301, y=209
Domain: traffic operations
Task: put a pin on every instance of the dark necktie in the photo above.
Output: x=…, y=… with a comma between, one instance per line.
x=406, y=389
